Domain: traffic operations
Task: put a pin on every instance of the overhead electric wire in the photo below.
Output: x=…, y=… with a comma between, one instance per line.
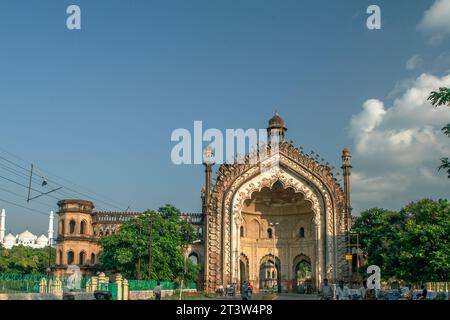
x=86, y=195
x=36, y=181
x=13, y=163
x=83, y=194
x=56, y=182
x=23, y=207
x=25, y=186
x=21, y=196
x=18, y=173
x=90, y=191
x=65, y=194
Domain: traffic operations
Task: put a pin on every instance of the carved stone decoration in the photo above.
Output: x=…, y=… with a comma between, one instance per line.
x=236, y=183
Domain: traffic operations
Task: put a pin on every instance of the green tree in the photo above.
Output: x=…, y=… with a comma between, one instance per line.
x=412, y=244
x=159, y=233
x=25, y=260
x=378, y=230
x=440, y=98
x=424, y=241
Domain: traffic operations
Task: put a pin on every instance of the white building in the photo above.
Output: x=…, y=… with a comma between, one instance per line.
x=25, y=238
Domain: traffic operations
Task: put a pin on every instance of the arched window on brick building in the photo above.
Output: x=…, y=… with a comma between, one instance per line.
x=83, y=227
x=70, y=257
x=72, y=225
x=301, y=232
x=82, y=257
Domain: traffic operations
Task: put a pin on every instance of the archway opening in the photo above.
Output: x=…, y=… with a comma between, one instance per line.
x=270, y=275
x=303, y=277
x=194, y=258
x=275, y=219
x=243, y=271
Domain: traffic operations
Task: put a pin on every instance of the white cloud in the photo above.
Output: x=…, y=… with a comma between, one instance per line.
x=436, y=21
x=397, y=148
x=413, y=62
x=370, y=117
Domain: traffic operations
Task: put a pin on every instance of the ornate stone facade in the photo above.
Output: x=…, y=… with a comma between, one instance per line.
x=262, y=221
x=79, y=229
x=282, y=225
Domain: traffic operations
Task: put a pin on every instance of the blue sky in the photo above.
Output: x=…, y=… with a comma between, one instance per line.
x=97, y=106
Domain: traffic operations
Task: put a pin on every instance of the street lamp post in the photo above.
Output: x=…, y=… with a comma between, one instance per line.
x=49, y=268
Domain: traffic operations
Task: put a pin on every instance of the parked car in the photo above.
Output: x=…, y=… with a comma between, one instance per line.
x=392, y=295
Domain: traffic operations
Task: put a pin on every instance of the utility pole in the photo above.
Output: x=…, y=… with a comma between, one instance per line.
x=29, y=185
x=50, y=255
x=150, y=251
x=139, y=275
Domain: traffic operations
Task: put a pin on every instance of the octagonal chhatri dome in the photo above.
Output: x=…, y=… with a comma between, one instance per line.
x=276, y=121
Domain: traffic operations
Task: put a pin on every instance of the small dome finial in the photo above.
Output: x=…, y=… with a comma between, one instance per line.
x=346, y=152
x=276, y=121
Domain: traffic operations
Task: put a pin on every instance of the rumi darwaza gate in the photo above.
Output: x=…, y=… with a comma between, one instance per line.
x=284, y=227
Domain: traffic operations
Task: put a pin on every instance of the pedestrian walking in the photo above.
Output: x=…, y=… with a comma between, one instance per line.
x=341, y=291
x=424, y=293
x=363, y=290
x=157, y=291
x=326, y=291
x=244, y=291
x=410, y=295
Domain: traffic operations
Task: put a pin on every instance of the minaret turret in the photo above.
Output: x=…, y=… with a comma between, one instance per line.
x=346, y=170
x=50, y=228
x=2, y=225
x=208, y=162
x=276, y=131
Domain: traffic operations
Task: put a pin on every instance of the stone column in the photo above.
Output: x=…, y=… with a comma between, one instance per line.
x=43, y=286
x=119, y=286
x=125, y=289
x=318, y=249
x=94, y=281
x=101, y=281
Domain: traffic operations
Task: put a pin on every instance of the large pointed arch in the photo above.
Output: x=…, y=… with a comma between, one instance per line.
x=235, y=184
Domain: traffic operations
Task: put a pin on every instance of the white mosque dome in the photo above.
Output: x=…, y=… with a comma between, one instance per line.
x=42, y=240
x=26, y=235
x=25, y=238
x=9, y=238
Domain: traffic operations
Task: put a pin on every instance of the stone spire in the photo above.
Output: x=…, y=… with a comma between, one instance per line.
x=50, y=228
x=208, y=162
x=347, y=170
x=2, y=225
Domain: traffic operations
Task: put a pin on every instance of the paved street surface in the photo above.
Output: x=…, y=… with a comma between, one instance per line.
x=296, y=296
x=279, y=296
